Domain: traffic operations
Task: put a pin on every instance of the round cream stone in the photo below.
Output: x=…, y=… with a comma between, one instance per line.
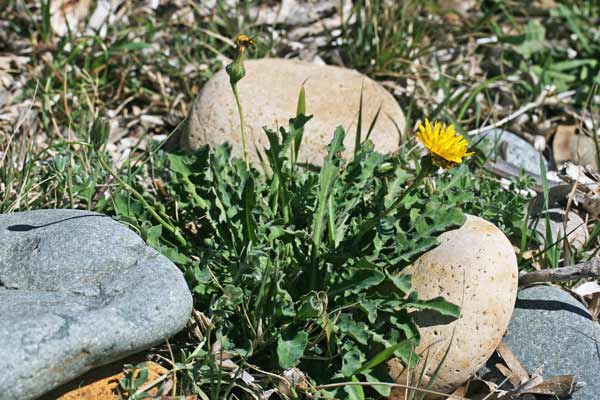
x=269, y=97
x=474, y=267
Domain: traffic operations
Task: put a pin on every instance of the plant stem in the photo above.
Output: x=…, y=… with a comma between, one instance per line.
x=241, y=113
x=145, y=203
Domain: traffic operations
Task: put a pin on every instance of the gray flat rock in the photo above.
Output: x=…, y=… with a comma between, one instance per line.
x=78, y=290
x=550, y=328
x=576, y=228
x=513, y=149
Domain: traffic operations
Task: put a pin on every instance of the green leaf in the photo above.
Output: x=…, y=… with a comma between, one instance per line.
x=356, y=330
x=535, y=39
x=310, y=307
x=142, y=376
x=300, y=110
x=290, y=351
x=327, y=178
x=174, y=255
x=384, y=391
x=384, y=355
x=284, y=304
x=232, y=295
x=177, y=164
x=438, y=304
x=402, y=282
x=355, y=392
x=572, y=64
x=407, y=353
x=249, y=202
x=351, y=361
x=357, y=280
x=573, y=24
x=131, y=46
x=370, y=308
x=153, y=236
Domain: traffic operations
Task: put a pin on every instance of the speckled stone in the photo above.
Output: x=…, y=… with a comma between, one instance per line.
x=474, y=267
x=552, y=329
x=78, y=290
x=269, y=96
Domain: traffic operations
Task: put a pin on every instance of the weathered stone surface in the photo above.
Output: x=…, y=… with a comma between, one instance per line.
x=269, y=95
x=513, y=149
x=576, y=231
x=474, y=267
x=550, y=328
x=78, y=290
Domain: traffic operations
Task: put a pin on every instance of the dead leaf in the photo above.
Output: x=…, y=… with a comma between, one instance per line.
x=594, y=306
x=584, y=151
x=508, y=374
x=293, y=378
x=461, y=391
x=519, y=373
x=397, y=394
x=561, y=147
x=535, y=379
x=559, y=386
x=66, y=15
x=481, y=389
x=587, y=289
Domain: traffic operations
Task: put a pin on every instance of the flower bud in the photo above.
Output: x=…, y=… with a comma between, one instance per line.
x=99, y=133
x=236, y=70
x=430, y=186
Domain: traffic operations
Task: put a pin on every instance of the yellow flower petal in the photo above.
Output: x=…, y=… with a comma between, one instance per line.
x=446, y=147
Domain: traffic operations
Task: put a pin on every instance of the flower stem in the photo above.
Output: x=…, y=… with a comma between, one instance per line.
x=242, y=127
x=145, y=203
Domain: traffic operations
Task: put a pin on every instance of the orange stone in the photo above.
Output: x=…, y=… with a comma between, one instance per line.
x=102, y=383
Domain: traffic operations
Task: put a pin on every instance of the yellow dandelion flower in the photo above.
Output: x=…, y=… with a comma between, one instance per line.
x=244, y=41
x=447, y=148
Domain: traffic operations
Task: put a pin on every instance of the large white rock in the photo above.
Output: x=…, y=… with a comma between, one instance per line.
x=474, y=267
x=269, y=95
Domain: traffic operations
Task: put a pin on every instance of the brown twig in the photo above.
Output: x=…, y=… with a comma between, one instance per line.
x=174, y=392
x=588, y=269
x=388, y=384
x=541, y=100
x=566, y=246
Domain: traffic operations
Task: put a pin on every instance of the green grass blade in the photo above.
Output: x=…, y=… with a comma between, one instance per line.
x=327, y=178
x=383, y=356
x=359, y=122
x=373, y=122
x=439, y=367
x=300, y=109
x=249, y=201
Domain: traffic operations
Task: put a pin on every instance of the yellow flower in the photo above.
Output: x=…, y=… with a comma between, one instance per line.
x=243, y=42
x=446, y=147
